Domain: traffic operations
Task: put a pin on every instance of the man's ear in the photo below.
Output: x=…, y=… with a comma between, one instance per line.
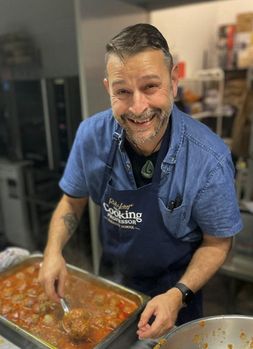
x=106, y=83
x=174, y=79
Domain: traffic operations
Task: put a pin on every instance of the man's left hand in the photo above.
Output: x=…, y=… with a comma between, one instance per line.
x=164, y=308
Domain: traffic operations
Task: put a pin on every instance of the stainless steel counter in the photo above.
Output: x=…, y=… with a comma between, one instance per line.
x=5, y=344
x=237, y=267
x=127, y=340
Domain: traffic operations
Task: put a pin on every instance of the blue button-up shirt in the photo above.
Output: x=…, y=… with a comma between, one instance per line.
x=198, y=168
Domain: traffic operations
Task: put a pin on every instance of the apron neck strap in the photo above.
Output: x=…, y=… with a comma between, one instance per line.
x=161, y=155
x=113, y=150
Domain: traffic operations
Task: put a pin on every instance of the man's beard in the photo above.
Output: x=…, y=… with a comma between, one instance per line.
x=162, y=118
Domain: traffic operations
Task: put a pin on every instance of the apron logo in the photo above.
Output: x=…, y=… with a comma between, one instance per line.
x=121, y=214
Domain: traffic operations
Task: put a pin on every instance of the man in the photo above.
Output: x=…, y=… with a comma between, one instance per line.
x=163, y=180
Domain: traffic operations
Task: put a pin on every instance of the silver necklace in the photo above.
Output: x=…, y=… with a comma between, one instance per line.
x=147, y=170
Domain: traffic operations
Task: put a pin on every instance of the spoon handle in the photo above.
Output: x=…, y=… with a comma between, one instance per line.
x=65, y=305
x=64, y=302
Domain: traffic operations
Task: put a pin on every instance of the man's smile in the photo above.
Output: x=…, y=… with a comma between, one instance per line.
x=142, y=121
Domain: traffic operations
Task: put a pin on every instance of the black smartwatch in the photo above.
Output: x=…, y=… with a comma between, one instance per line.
x=188, y=295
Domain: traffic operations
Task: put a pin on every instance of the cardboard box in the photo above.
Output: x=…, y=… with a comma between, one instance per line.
x=244, y=22
x=243, y=49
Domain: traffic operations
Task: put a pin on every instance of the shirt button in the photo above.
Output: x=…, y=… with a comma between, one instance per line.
x=173, y=159
x=128, y=165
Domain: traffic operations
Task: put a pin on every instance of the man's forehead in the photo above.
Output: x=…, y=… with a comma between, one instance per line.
x=144, y=65
x=140, y=79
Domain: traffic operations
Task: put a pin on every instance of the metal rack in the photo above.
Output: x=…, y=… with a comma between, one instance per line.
x=249, y=185
x=239, y=263
x=198, y=82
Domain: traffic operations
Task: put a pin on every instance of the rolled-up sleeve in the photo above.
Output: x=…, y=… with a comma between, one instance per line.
x=73, y=180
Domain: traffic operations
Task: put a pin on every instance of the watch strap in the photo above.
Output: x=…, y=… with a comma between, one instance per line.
x=187, y=294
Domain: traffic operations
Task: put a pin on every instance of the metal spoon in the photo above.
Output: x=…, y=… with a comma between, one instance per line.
x=65, y=305
x=64, y=302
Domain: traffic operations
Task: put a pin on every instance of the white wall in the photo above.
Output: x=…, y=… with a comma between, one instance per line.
x=192, y=29
x=51, y=24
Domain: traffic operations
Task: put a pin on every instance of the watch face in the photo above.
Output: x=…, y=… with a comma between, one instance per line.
x=189, y=295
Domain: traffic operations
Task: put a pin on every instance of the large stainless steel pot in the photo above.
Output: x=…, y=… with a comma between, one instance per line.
x=216, y=332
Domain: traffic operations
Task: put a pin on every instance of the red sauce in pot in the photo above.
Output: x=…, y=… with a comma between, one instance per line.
x=23, y=301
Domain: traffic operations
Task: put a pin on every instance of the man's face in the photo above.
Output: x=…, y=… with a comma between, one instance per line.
x=142, y=93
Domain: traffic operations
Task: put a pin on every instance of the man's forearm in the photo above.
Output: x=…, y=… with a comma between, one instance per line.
x=206, y=261
x=64, y=222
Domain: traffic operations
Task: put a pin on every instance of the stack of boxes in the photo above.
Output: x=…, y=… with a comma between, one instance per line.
x=235, y=43
x=244, y=40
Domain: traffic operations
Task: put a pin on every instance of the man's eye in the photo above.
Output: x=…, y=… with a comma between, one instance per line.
x=150, y=86
x=122, y=92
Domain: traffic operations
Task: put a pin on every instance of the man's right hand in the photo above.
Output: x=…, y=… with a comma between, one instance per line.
x=53, y=268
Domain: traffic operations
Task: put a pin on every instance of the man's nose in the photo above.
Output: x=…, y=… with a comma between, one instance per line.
x=139, y=104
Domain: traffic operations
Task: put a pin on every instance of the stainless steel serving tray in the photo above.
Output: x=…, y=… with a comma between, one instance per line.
x=139, y=298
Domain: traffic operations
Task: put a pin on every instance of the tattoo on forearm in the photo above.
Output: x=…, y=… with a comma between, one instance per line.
x=71, y=222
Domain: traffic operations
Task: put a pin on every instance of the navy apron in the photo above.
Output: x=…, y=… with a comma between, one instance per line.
x=138, y=250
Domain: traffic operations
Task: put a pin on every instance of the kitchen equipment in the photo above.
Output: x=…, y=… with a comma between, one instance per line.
x=138, y=298
x=216, y=332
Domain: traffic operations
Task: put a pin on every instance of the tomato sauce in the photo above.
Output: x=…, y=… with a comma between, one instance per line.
x=23, y=301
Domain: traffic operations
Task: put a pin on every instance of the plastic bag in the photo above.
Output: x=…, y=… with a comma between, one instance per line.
x=11, y=256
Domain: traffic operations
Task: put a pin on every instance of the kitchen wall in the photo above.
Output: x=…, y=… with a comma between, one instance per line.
x=51, y=24
x=192, y=29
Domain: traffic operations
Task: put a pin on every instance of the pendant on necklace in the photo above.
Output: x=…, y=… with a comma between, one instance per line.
x=147, y=169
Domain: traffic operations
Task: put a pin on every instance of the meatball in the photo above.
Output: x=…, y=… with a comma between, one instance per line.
x=20, y=275
x=15, y=315
x=41, y=308
x=21, y=285
x=49, y=320
x=31, y=269
x=113, y=323
x=42, y=297
x=111, y=312
x=127, y=310
x=113, y=301
x=100, y=299
x=28, y=303
x=98, y=322
x=31, y=319
x=77, y=313
x=17, y=298
x=37, y=331
x=33, y=291
x=7, y=292
x=7, y=283
x=79, y=329
x=35, y=281
x=5, y=309
x=75, y=323
x=23, y=314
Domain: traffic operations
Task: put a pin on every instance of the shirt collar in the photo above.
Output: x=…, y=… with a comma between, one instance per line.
x=176, y=136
